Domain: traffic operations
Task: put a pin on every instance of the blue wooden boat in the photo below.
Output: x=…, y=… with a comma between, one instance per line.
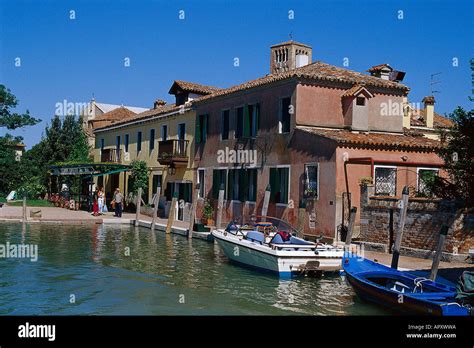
x=400, y=290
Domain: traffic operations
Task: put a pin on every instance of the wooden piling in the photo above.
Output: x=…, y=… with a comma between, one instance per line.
x=401, y=226
x=138, y=204
x=155, y=208
x=24, y=209
x=266, y=200
x=301, y=217
x=220, y=207
x=350, y=227
x=171, y=213
x=192, y=215
x=439, y=252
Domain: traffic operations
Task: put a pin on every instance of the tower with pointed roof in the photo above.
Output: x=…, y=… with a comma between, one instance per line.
x=289, y=55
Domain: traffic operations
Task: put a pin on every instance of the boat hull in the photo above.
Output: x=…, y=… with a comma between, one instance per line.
x=285, y=264
x=359, y=273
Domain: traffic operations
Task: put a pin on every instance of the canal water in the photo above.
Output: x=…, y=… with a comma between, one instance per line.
x=86, y=270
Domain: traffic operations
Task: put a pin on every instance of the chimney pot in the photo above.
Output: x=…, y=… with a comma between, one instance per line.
x=158, y=103
x=429, y=102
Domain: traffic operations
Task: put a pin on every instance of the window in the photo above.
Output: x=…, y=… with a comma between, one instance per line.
x=200, y=179
x=285, y=115
x=151, y=144
x=201, y=128
x=117, y=147
x=311, y=181
x=127, y=141
x=242, y=184
x=164, y=132
x=239, y=117
x=102, y=144
x=360, y=101
x=156, y=182
x=225, y=125
x=139, y=142
x=279, y=183
x=386, y=181
x=425, y=176
x=247, y=121
x=219, y=178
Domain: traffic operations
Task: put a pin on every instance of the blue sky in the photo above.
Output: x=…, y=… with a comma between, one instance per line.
x=74, y=59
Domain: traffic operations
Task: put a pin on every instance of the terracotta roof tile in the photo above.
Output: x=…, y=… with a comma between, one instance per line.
x=354, y=90
x=118, y=114
x=380, y=67
x=315, y=71
x=418, y=119
x=192, y=87
x=161, y=110
x=291, y=42
x=375, y=140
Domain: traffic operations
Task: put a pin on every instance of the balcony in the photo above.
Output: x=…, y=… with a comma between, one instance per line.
x=111, y=156
x=173, y=152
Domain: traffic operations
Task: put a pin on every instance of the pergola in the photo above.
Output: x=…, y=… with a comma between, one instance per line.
x=85, y=171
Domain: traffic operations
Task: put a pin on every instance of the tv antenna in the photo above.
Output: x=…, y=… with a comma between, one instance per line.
x=434, y=82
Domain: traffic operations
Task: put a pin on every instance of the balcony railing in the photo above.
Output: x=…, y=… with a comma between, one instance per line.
x=111, y=155
x=173, y=151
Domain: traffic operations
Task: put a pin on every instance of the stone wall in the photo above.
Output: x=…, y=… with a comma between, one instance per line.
x=423, y=223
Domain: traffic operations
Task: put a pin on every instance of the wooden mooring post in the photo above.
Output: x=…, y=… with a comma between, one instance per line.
x=439, y=252
x=138, y=205
x=350, y=226
x=192, y=214
x=220, y=207
x=301, y=217
x=401, y=226
x=266, y=200
x=171, y=214
x=24, y=209
x=155, y=208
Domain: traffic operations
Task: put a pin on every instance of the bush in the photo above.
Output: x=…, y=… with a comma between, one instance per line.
x=32, y=189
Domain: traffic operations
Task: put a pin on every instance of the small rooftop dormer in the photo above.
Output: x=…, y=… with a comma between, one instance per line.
x=386, y=72
x=186, y=91
x=289, y=55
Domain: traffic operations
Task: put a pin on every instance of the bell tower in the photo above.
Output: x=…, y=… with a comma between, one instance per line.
x=289, y=55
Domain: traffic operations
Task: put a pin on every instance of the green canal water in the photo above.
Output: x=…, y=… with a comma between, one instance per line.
x=164, y=275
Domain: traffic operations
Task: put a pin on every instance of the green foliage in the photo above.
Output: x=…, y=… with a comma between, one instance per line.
x=10, y=173
x=207, y=211
x=458, y=154
x=32, y=189
x=9, y=119
x=139, y=175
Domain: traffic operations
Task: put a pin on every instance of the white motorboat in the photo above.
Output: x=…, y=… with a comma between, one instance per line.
x=272, y=246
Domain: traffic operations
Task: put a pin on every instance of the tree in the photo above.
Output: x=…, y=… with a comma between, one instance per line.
x=10, y=173
x=9, y=119
x=139, y=175
x=458, y=155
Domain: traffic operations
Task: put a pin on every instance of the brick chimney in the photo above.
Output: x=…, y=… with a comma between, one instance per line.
x=158, y=103
x=429, y=102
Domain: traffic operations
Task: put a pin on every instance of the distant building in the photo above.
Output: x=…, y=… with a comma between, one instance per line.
x=95, y=110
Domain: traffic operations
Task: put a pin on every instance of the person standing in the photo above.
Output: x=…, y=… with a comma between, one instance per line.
x=118, y=199
x=100, y=200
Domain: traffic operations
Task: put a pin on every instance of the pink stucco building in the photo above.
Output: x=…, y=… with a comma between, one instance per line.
x=316, y=130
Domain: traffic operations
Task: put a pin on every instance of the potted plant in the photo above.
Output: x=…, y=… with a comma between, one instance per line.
x=207, y=213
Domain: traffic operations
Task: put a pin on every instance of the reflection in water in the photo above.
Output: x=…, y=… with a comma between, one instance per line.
x=91, y=262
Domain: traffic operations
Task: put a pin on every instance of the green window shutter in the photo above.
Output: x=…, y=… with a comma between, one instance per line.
x=244, y=184
x=284, y=185
x=230, y=184
x=246, y=121
x=198, y=129
x=257, y=118
x=215, y=183
x=204, y=128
